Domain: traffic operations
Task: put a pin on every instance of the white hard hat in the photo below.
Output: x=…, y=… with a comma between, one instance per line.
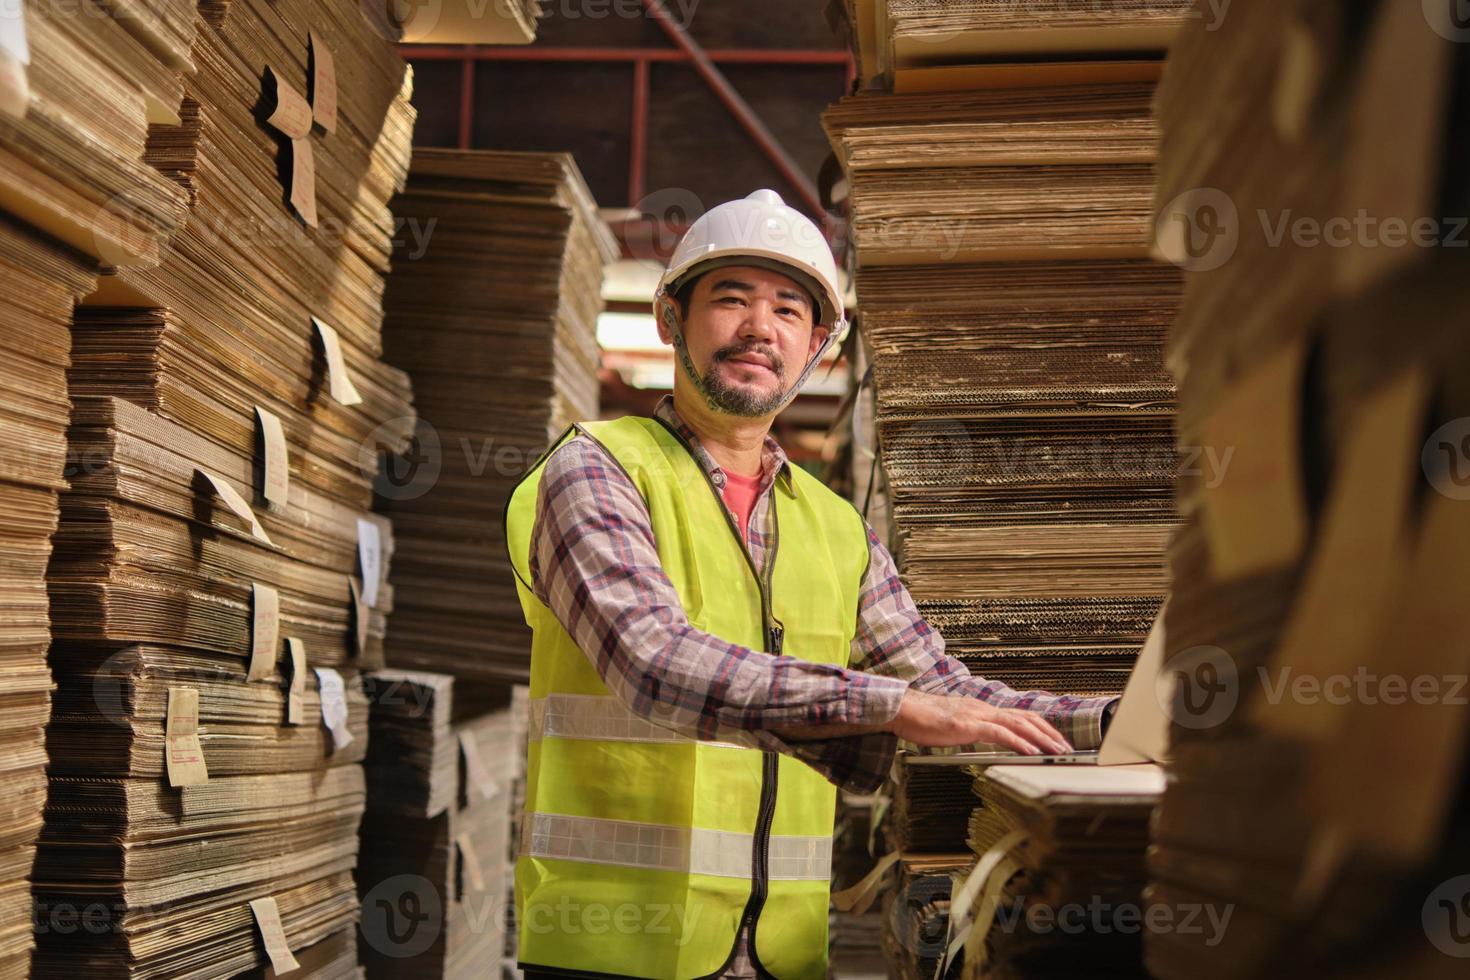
x=760, y=230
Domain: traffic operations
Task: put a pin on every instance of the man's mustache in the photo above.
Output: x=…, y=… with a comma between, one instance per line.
x=766, y=351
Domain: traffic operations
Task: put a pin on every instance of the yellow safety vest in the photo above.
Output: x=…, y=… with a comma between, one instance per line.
x=642, y=851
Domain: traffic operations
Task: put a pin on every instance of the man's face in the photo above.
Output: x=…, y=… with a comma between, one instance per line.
x=750, y=333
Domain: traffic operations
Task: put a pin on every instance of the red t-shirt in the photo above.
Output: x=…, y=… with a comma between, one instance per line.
x=740, y=495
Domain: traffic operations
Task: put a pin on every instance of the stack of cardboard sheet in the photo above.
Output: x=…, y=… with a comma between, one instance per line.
x=218, y=579
x=39, y=282
x=507, y=287
x=436, y=839
x=1319, y=736
x=1000, y=167
x=1024, y=414
x=913, y=45
x=81, y=84
x=931, y=805
x=996, y=175
x=413, y=761
x=916, y=913
x=1060, y=871
x=856, y=931
x=133, y=566
x=270, y=298
x=924, y=827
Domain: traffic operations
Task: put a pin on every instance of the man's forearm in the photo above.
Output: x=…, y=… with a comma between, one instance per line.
x=947, y=721
x=894, y=640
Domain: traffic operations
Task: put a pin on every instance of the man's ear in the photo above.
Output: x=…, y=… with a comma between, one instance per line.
x=667, y=319
x=819, y=337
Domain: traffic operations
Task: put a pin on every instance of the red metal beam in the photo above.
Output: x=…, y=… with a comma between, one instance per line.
x=466, y=102
x=733, y=56
x=748, y=118
x=638, y=133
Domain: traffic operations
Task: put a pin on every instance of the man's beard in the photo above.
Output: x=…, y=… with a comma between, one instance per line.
x=732, y=399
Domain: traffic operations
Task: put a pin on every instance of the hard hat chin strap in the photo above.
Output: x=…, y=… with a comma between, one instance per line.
x=806, y=372
x=676, y=330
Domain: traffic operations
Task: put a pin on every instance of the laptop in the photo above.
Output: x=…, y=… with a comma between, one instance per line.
x=1139, y=731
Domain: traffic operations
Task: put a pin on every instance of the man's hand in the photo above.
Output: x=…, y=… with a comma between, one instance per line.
x=941, y=721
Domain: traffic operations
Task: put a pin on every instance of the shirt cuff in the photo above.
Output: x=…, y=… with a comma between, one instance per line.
x=1084, y=724
x=853, y=763
x=874, y=699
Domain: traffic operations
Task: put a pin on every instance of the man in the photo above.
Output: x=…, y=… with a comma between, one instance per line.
x=719, y=642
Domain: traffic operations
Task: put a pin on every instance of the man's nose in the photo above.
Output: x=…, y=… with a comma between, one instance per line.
x=759, y=323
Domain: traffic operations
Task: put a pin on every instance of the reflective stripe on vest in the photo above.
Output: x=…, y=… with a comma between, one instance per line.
x=602, y=717
x=661, y=847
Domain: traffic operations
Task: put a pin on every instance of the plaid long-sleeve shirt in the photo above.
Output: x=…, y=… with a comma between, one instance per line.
x=595, y=564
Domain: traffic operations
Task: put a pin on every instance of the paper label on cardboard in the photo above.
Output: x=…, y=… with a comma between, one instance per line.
x=476, y=775
x=859, y=898
x=334, y=706
x=273, y=934
x=237, y=504
x=296, y=694
x=275, y=462
x=184, y=756
x=292, y=115
x=323, y=84
x=370, y=559
x=338, y=380
x=265, y=631
x=469, y=863
x=303, y=181
x=981, y=880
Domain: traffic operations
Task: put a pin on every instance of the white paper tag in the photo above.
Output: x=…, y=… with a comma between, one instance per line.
x=273, y=934
x=275, y=462
x=475, y=773
x=292, y=115
x=339, y=382
x=265, y=631
x=370, y=558
x=296, y=694
x=334, y=706
x=237, y=504
x=184, y=758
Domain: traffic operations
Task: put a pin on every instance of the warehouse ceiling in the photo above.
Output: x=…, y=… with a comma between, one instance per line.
x=658, y=140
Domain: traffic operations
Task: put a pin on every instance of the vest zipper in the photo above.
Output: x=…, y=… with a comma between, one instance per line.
x=775, y=637
x=775, y=634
